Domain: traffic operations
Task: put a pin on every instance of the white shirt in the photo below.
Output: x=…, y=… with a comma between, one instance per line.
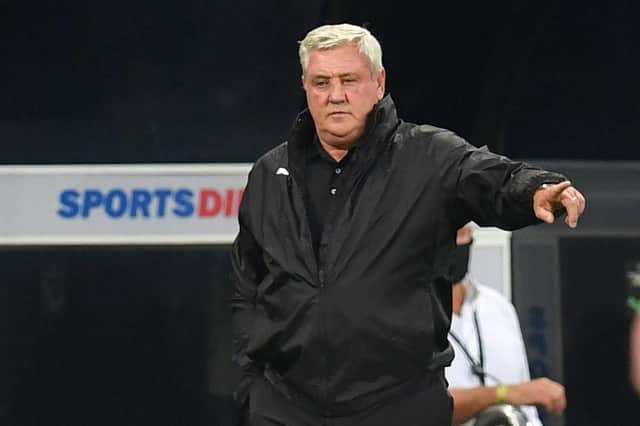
x=505, y=358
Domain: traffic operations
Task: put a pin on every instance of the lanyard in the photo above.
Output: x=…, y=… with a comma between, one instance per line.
x=477, y=366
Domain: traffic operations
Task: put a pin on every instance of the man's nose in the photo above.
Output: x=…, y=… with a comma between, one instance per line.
x=337, y=94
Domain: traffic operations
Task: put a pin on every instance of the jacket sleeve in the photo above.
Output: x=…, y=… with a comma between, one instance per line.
x=248, y=270
x=494, y=190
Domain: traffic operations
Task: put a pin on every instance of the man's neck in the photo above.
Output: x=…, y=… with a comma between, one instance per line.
x=337, y=152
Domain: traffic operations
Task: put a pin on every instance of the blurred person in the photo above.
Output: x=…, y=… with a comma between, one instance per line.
x=633, y=302
x=490, y=366
x=344, y=231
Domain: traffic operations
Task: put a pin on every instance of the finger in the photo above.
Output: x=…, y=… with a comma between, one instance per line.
x=548, y=405
x=544, y=215
x=560, y=399
x=572, y=217
x=574, y=196
x=556, y=190
x=562, y=404
x=572, y=193
x=559, y=404
x=555, y=409
x=571, y=205
x=582, y=203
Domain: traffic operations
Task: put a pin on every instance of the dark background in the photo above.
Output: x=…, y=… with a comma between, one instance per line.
x=104, y=336
x=216, y=81
x=595, y=329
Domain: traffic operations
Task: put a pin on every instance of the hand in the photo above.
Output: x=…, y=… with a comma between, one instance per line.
x=464, y=235
x=541, y=391
x=554, y=197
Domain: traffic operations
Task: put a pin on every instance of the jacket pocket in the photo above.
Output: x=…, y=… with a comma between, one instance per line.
x=412, y=333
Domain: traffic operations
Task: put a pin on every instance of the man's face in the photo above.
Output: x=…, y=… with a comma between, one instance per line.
x=340, y=93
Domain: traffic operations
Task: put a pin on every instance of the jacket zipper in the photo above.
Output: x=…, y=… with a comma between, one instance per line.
x=319, y=262
x=324, y=335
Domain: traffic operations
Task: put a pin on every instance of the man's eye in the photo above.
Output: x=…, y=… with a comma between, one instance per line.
x=349, y=80
x=320, y=83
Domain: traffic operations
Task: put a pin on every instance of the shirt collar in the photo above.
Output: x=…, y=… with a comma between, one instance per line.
x=315, y=150
x=381, y=122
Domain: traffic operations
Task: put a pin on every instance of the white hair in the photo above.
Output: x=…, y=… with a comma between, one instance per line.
x=331, y=36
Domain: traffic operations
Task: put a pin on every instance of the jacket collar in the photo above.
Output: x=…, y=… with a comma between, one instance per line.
x=382, y=120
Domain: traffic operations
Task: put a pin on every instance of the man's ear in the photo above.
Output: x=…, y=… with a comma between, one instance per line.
x=382, y=76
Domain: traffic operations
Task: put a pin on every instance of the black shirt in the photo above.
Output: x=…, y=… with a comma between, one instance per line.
x=326, y=187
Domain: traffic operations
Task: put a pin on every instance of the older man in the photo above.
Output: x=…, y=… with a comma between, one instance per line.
x=340, y=317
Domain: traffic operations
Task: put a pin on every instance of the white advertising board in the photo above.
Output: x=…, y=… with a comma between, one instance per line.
x=120, y=204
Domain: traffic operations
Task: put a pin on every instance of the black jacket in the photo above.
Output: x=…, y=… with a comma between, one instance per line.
x=369, y=314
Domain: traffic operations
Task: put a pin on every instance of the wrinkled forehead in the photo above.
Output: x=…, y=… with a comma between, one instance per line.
x=346, y=59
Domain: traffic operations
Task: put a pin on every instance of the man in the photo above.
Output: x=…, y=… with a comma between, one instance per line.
x=338, y=316
x=490, y=366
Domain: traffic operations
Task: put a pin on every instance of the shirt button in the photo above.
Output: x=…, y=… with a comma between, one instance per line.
x=338, y=170
x=333, y=191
